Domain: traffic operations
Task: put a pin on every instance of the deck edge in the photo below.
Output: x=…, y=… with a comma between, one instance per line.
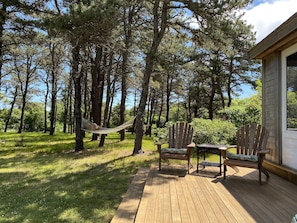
x=127, y=209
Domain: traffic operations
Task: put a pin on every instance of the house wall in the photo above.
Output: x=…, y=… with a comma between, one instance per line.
x=272, y=114
x=269, y=51
x=271, y=104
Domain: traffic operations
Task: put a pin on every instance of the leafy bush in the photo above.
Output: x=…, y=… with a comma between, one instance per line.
x=161, y=134
x=244, y=111
x=213, y=131
x=292, y=123
x=205, y=131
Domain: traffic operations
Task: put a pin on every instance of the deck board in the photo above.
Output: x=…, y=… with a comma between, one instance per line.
x=174, y=196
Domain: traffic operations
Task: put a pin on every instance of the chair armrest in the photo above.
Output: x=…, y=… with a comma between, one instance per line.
x=191, y=145
x=224, y=150
x=159, y=145
x=263, y=151
x=231, y=146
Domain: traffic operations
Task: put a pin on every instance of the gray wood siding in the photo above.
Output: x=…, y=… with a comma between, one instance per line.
x=271, y=104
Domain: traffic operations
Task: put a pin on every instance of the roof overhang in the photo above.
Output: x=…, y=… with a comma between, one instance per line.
x=281, y=38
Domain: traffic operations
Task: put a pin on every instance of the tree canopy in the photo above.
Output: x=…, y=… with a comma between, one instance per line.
x=173, y=60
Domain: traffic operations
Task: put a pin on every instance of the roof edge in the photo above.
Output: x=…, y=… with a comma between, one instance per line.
x=274, y=37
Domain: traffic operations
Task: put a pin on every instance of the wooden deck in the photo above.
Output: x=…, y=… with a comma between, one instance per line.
x=174, y=196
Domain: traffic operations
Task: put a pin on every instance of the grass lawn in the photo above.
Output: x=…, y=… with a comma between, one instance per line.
x=43, y=180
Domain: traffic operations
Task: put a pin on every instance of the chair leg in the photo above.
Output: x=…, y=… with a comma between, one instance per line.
x=160, y=162
x=189, y=166
x=265, y=171
x=262, y=170
x=225, y=169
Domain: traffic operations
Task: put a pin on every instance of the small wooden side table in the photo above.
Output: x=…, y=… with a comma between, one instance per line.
x=210, y=149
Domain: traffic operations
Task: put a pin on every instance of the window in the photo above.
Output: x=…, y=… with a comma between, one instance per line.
x=291, y=72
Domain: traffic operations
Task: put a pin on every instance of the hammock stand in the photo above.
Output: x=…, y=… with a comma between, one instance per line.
x=88, y=126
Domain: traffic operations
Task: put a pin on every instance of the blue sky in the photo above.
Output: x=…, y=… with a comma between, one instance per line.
x=266, y=15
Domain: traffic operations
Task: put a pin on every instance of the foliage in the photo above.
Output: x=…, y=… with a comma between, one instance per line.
x=42, y=180
x=34, y=117
x=161, y=134
x=244, y=111
x=213, y=131
x=205, y=131
x=195, y=69
x=291, y=109
x=14, y=121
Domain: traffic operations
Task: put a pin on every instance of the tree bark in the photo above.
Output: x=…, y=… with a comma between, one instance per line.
x=45, y=106
x=54, y=91
x=101, y=93
x=160, y=24
x=77, y=98
x=109, y=97
x=95, y=95
x=3, y=16
x=161, y=109
x=169, y=81
x=24, y=90
x=11, y=108
x=128, y=37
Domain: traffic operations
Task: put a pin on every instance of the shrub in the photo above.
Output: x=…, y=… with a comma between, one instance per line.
x=213, y=131
x=205, y=131
x=161, y=134
x=244, y=111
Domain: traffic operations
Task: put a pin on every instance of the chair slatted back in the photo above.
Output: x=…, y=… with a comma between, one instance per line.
x=251, y=139
x=180, y=135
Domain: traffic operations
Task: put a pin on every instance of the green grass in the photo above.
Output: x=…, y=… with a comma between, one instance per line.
x=43, y=180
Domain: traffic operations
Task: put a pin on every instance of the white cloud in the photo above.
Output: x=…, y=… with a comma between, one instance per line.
x=268, y=15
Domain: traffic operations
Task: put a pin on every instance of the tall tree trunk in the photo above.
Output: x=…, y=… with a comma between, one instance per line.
x=65, y=114
x=123, y=93
x=45, y=106
x=24, y=90
x=86, y=101
x=54, y=93
x=3, y=16
x=101, y=92
x=128, y=37
x=229, y=81
x=109, y=93
x=148, y=111
x=161, y=109
x=71, y=118
x=11, y=108
x=67, y=106
x=211, y=100
x=77, y=98
x=159, y=30
x=96, y=109
x=22, y=114
x=152, y=112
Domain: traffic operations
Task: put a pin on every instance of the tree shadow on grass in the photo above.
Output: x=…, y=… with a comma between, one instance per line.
x=91, y=195
x=46, y=181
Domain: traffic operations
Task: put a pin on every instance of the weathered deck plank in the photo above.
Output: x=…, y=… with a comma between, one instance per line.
x=127, y=210
x=173, y=196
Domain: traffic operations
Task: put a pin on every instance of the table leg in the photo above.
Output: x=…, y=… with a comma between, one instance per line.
x=197, y=159
x=220, y=162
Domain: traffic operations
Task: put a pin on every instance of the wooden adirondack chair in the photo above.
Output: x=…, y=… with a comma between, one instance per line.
x=180, y=144
x=250, y=149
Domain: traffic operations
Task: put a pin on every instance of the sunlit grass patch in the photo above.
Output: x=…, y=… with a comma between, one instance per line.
x=46, y=181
